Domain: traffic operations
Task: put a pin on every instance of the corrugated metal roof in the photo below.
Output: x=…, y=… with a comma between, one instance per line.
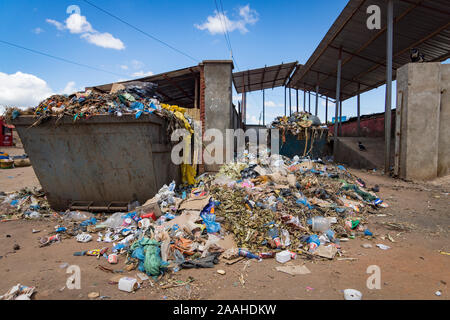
x=421, y=24
x=176, y=87
x=263, y=78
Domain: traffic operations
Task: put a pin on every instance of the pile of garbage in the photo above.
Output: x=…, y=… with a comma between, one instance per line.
x=300, y=205
x=138, y=98
x=276, y=207
x=28, y=203
x=297, y=122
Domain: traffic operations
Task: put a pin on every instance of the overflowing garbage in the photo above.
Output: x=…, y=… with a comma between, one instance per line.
x=275, y=208
x=296, y=122
x=138, y=99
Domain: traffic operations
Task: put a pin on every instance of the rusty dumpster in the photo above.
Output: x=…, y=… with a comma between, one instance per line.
x=101, y=163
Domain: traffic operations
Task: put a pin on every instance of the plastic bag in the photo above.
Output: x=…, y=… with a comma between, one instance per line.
x=77, y=215
x=209, y=218
x=149, y=255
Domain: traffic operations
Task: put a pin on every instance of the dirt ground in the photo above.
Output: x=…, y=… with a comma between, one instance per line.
x=413, y=268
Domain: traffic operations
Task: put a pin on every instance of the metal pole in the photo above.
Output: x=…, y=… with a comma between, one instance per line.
x=284, y=101
x=338, y=96
x=326, y=110
x=240, y=111
x=309, y=103
x=317, y=100
x=290, y=102
x=297, y=98
x=304, y=100
x=359, y=110
x=387, y=115
x=340, y=117
x=264, y=108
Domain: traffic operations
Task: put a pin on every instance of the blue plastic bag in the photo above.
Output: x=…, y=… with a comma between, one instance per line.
x=209, y=218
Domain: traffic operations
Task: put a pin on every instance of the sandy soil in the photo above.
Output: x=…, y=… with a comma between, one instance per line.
x=412, y=269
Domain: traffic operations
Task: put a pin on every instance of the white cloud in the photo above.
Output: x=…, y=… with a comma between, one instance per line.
x=142, y=74
x=136, y=64
x=323, y=103
x=78, y=24
x=38, y=30
x=272, y=104
x=124, y=67
x=252, y=119
x=22, y=90
x=55, y=23
x=70, y=88
x=219, y=23
x=104, y=40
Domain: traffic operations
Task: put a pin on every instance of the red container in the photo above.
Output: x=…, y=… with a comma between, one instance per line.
x=113, y=258
x=150, y=215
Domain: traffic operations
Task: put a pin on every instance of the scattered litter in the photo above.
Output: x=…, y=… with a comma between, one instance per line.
x=383, y=247
x=18, y=292
x=84, y=237
x=352, y=294
x=221, y=272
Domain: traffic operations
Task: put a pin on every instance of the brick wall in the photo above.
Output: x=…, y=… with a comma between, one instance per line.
x=201, y=167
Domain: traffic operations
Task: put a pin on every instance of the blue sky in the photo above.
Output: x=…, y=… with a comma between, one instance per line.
x=262, y=33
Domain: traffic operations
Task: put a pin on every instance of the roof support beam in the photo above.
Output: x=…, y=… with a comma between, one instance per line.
x=358, y=111
x=338, y=98
x=331, y=40
x=388, y=106
x=376, y=36
x=329, y=75
x=440, y=10
x=276, y=75
x=415, y=44
x=262, y=78
x=288, y=75
x=175, y=84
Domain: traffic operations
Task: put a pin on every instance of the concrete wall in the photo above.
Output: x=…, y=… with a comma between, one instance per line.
x=218, y=106
x=371, y=127
x=419, y=92
x=444, y=123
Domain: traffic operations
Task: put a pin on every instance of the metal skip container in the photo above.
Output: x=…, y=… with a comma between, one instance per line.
x=100, y=163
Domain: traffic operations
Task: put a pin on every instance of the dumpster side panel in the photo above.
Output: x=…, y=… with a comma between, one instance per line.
x=101, y=162
x=296, y=146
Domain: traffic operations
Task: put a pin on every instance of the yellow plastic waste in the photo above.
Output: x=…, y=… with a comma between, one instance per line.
x=179, y=113
x=188, y=172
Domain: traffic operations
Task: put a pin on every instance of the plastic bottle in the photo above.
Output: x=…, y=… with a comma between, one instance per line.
x=320, y=224
x=247, y=254
x=273, y=233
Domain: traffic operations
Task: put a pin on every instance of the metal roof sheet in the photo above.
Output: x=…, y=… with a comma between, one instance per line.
x=176, y=87
x=263, y=78
x=421, y=24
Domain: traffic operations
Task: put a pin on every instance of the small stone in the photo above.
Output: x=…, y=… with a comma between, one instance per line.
x=366, y=245
x=222, y=272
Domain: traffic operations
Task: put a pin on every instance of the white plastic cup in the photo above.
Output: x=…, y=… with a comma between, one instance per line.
x=128, y=284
